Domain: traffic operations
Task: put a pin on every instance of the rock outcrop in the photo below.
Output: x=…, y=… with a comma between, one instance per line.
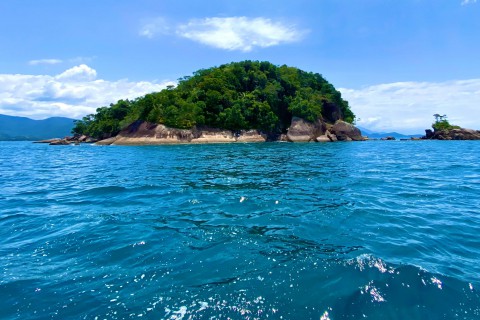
x=323, y=138
x=67, y=140
x=327, y=137
x=61, y=142
x=151, y=134
x=345, y=131
x=144, y=133
x=301, y=130
x=388, y=138
x=452, y=134
x=304, y=131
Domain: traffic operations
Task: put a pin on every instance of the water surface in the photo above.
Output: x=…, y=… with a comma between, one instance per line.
x=377, y=230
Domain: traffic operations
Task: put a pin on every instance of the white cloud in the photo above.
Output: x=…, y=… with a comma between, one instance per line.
x=408, y=107
x=78, y=73
x=239, y=33
x=74, y=93
x=158, y=26
x=465, y=2
x=75, y=60
x=229, y=33
x=44, y=61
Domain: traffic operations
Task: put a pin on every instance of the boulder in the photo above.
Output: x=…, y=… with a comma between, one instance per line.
x=331, y=136
x=251, y=136
x=346, y=132
x=301, y=130
x=323, y=138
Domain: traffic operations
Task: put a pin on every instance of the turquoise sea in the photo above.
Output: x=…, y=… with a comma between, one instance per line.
x=361, y=230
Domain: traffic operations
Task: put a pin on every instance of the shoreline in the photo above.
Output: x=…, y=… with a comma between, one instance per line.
x=145, y=133
x=161, y=135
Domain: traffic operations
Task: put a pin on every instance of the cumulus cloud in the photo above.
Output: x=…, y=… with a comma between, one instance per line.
x=44, y=61
x=73, y=93
x=408, y=107
x=465, y=2
x=78, y=73
x=239, y=33
x=229, y=33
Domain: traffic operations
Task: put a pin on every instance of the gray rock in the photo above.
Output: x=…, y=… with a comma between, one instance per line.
x=301, y=130
x=323, y=138
x=346, y=131
x=388, y=138
x=61, y=142
x=331, y=136
x=48, y=140
x=453, y=134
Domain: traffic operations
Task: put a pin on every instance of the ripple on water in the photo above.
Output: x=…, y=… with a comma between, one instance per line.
x=292, y=231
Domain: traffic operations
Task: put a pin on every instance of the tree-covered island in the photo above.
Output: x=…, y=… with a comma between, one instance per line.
x=238, y=96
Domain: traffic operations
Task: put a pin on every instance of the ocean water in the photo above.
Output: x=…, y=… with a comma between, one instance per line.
x=362, y=230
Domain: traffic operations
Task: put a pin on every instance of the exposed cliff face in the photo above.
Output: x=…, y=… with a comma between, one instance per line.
x=144, y=133
x=453, y=134
x=331, y=112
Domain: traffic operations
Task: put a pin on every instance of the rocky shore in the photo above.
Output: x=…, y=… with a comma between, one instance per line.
x=67, y=140
x=452, y=134
x=144, y=133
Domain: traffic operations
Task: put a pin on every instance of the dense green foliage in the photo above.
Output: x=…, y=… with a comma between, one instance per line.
x=241, y=95
x=441, y=123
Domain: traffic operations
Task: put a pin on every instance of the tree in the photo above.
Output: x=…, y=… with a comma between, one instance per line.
x=441, y=123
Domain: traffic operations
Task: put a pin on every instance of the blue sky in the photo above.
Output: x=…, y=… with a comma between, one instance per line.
x=396, y=62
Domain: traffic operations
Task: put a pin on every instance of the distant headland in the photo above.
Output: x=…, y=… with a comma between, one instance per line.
x=13, y=128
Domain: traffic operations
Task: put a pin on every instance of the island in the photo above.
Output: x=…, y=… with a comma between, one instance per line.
x=443, y=130
x=248, y=101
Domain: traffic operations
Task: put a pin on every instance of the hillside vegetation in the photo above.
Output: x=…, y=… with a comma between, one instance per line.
x=441, y=123
x=234, y=96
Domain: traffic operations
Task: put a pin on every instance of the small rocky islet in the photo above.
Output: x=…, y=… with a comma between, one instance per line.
x=452, y=134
